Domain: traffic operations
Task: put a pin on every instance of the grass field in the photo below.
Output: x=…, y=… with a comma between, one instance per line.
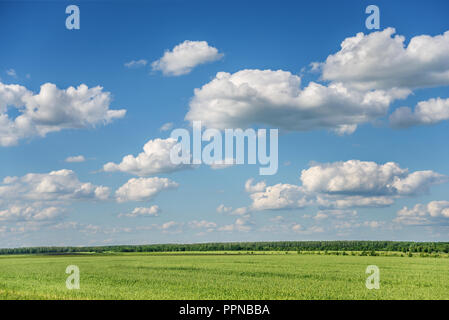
x=222, y=276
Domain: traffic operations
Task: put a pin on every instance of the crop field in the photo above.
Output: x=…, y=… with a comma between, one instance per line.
x=222, y=276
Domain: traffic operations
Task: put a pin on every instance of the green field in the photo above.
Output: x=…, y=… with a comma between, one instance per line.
x=222, y=276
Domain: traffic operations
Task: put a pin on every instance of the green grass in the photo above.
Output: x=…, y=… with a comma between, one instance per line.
x=223, y=276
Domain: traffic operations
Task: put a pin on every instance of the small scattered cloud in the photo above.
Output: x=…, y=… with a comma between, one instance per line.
x=79, y=158
x=335, y=213
x=241, y=211
x=258, y=187
x=171, y=227
x=29, y=213
x=298, y=228
x=223, y=209
x=203, y=224
x=152, y=211
x=241, y=224
x=136, y=63
x=186, y=56
x=166, y=126
x=11, y=73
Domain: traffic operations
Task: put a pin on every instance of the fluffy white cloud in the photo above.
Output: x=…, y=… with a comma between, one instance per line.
x=242, y=211
x=168, y=225
x=154, y=159
x=30, y=213
x=421, y=214
x=275, y=98
x=11, y=95
x=381, y=60
x=365, y=178
x=143, y=189
x=58, y=185
x=279, y=196
x=152, y=211
x=258, y=187
x=341, y=185
x=186, y=56
x=37, y=199
x=79, y=158
x=136, y=63
x=367, y=75
x=51, y=110
x=287, y=196
x=171, y=227
x=427, y=112
x=241, y=224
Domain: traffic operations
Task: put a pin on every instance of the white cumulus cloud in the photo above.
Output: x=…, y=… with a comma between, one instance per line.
x=421, y=214
x=343, y=185
x=52, y=109
x=30, y=213
x=279, y=196
x=381, y=60
x=241, y=224
x=186, y=56
x=154, y=159
x=53, y=186
x=143, y=189
x=257, y=187
x=41, y=198
x=152, y=211
x=275, y=98
x=427, y=112
x=366, y=178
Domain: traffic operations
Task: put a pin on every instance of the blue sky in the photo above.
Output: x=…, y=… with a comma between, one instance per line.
x=410, y=203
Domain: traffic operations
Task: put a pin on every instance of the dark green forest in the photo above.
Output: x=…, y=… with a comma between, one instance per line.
x=398, y=246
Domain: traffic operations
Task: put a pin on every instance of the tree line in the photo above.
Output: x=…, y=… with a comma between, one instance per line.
x=397, y=246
